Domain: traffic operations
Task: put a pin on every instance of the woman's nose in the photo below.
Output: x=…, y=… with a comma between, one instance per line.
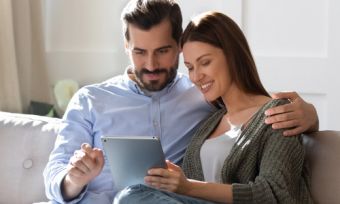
x=196, y=76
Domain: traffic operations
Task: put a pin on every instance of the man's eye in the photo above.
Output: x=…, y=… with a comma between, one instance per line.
x=162, y=51
x=138, y=52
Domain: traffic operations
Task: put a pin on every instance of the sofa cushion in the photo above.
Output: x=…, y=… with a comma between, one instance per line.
x=27, y=140
x=323, y=154
x=25, y=144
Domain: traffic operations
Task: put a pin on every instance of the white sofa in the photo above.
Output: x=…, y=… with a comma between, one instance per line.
x=26, y=141
x=25, y=144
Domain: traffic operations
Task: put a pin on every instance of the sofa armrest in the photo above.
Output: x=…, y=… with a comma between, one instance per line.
x=323, y=156
x=25, y=144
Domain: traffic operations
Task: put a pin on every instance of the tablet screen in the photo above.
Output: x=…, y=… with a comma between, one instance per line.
x=131, y=157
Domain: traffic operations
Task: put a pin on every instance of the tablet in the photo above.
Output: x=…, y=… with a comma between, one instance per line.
x=131, y=157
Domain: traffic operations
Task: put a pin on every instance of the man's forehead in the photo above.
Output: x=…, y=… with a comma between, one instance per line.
x=153, y=38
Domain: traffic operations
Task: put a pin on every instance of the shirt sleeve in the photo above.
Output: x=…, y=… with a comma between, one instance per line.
x=280, y=169
x=75, y=129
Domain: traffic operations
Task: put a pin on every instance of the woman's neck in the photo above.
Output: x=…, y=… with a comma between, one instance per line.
x=241, y=106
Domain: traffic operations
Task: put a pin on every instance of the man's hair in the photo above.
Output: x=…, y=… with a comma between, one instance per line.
x=222, y=32
x=147, y=13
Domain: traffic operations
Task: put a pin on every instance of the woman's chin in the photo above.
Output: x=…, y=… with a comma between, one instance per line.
x=210, y=98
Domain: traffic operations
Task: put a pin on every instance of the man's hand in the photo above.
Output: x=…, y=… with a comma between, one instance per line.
x=299, y=115
x=85, y=164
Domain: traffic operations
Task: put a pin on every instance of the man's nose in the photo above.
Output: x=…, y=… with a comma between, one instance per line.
x=152, y=63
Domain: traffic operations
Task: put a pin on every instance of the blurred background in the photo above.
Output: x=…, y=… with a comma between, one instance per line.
x=296, y=45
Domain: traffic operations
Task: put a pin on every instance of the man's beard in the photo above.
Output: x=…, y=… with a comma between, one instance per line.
x=156, y=85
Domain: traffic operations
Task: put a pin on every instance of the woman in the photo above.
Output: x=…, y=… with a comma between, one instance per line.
x=234, y=157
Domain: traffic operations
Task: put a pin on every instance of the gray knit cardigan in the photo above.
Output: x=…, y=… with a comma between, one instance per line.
x=263, y=165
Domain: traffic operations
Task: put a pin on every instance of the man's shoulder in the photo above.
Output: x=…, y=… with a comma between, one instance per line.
x=183, y=81
x=184, y=78
x=112, y=85
x=111, y=82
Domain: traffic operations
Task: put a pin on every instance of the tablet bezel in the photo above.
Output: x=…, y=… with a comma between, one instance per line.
x=130, y=157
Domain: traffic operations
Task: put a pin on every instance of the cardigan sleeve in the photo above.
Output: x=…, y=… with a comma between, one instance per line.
x=279, y=178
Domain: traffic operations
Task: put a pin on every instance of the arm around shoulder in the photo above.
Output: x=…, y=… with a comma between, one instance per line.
x=299, y=116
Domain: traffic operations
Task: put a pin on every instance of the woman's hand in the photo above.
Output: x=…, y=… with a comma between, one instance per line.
x=171, y=179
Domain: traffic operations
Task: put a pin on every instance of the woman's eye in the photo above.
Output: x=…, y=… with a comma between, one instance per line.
x=205, y=62
x=190, y=68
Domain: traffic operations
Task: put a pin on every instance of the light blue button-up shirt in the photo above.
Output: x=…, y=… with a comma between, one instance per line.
x=118, y=107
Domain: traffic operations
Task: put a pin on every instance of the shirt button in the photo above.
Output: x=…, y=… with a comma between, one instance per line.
x=28, y=163
x=155, y=123
x=155, y=100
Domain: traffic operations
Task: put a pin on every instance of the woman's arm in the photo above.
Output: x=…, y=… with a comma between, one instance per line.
x=281, y=176
x=174, y=180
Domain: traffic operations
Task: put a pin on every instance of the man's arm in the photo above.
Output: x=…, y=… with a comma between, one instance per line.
x=84, y=166
x=299, y=115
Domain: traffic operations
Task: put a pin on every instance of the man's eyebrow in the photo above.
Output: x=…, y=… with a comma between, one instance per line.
x=164, y=47
x=138, y=49
x=160, y=48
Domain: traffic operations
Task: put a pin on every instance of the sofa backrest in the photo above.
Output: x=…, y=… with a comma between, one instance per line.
x=25, y=144
x=27, y=140
x=323, y=154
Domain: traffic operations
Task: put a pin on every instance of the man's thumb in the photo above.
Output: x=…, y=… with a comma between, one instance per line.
x=98, y=155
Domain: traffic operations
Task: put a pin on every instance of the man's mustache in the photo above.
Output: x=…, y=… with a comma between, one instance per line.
x=156, y=71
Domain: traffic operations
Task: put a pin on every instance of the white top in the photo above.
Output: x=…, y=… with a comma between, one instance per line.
x=214, y=151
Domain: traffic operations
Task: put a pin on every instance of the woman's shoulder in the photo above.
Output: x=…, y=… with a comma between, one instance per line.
x=274, y=102
x=257, y=122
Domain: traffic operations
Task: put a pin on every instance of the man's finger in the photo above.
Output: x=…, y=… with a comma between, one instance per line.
x=280, y=118
x=289, y=95
x=78, y=153
x=80, y=164
x=98, y=155
x=294, y=131
x=89, y=151
x=286, y=124
x=86, y=148
x=75, y=172
x=280, y=109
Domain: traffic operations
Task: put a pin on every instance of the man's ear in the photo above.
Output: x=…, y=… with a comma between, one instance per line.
x=179, y=48
x=126, y=45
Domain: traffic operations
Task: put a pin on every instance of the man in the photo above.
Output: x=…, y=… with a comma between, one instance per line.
x=151, y=98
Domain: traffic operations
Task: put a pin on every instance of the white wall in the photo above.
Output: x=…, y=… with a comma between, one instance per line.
x=295, y=43
x=84, y=40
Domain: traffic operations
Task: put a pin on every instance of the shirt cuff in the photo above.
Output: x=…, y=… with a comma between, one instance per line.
x=242, y=193
x=57, y=189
